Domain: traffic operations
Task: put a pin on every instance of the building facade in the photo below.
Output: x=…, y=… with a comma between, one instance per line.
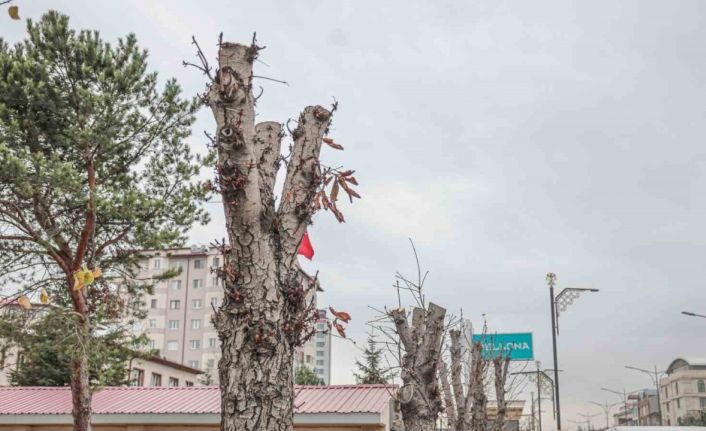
x=683, y=391
x=158, y=372
x=180, y=312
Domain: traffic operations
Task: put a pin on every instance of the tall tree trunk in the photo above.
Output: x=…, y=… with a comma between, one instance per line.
x=479, y=410
x=501, y=363
x=420, y=395
x=79, y=379
x=265, y=314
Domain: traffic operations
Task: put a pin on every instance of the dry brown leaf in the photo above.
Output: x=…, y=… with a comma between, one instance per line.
x=14, y=12
x=24, y=302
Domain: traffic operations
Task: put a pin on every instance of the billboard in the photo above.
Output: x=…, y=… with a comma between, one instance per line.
x=518, y=346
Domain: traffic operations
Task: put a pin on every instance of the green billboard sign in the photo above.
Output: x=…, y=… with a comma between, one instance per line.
x=518, y=346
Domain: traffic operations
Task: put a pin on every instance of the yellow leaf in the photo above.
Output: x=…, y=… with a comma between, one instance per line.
x=97, y=273
x=44, y=297
x=14, y=12
x=24, y=302
x=78, y=280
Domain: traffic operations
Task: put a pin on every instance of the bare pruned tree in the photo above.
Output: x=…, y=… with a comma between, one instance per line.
x=265, y=314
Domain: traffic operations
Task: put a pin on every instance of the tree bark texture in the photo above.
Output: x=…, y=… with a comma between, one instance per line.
x=420, y=395
x=79, y=380
x=501, y=364
x=265, y=314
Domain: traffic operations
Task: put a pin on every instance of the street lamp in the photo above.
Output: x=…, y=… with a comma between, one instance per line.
x=559, y=304
x=655, y=380
x=544, y=384
x=606, y=409
x=689, y=313
x=588, y=419
x=624, y=396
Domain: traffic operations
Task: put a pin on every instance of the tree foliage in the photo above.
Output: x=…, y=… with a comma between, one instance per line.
x=304, y=375
x=94, y=167
x=371, y=372
x=46, y=346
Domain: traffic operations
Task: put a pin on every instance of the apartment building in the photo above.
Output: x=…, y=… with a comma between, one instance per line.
x=683, y=391
x=316, y=352
x=179, y=313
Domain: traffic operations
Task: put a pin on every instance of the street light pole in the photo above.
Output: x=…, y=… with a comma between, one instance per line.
x=542, y=380
x=655, y=379
x=558, y=304
x=689, y=313
x=606, y=409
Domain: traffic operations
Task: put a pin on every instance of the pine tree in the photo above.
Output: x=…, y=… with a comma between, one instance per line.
x=371, y=373
x=306, y=376
x=94, y=167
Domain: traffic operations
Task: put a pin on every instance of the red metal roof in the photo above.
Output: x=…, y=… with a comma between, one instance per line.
x=146, y=400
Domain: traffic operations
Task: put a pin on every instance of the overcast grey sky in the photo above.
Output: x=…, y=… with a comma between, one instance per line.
x=509, y=139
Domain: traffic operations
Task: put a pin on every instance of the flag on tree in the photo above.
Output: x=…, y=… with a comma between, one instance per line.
x=305, y=248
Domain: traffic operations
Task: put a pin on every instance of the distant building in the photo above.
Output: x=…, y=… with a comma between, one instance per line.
x=158, y=372
x=683, y=391
x=179, y=313
x=647, y=407
x=329, y=408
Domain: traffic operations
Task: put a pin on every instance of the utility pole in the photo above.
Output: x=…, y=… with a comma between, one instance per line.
x=559, y=304
x=532, y=418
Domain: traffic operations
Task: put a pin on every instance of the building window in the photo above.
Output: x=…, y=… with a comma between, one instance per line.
x=173, y=345
x=188, y=383
x=701, y=386
x=137, y=377
x=319, y=362
x=211, y=343
x=702, y=403
x=196, y=303
x=214, y=301
x=319, y=371
x=197, y=283
x=676, y=388
x=678, y=403
x=173, y=382
x=195, y=323
x=157, y=263
x=198, y=264
x=152, y=344
x=321, y=344
x=176, y=284
x=194, y=344
x=174, y=304
x=156, y=380
x=176, y=265
x=320, y=335
x=194, y=364
x=319, y=353
x=173, y=324
x=153, y=303
x=216, y=262
x=153, y=323
x=320, y=326
x=210, y=363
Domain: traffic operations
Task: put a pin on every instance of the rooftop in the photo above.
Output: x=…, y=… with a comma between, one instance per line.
x=340, y=399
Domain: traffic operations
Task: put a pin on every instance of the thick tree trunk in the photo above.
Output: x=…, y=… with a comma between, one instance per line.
x=420, y=395
x=265, y=313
